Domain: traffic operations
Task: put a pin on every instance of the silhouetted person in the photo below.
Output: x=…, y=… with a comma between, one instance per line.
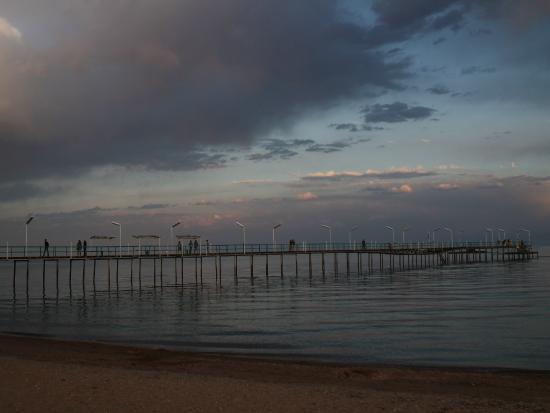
x=179, y=247
x=190, y=247
x=79, y=248
x=46, y=248
x=207, y=247
x=85, y=247
x=196, y=246
x=363, y=244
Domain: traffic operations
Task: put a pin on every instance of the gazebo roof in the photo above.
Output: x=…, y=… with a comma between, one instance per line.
x=191, y=237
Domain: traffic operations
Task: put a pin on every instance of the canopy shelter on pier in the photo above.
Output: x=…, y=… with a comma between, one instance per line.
x=146, y=237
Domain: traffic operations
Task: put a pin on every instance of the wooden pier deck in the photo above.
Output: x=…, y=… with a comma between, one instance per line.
x=189, y=267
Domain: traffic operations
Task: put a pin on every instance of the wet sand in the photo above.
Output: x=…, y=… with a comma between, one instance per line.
x=46, y=375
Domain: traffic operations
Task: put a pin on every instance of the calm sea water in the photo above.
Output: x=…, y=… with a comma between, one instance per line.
x=485, y=315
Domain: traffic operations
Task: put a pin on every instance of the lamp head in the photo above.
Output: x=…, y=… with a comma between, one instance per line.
x=29, y=220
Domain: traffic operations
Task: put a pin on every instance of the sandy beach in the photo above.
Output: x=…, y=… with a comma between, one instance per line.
x=59, y=376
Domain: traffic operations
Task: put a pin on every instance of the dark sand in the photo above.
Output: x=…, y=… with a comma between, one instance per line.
x=41, y=375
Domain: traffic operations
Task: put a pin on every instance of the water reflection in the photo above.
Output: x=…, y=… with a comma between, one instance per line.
x=484, y=315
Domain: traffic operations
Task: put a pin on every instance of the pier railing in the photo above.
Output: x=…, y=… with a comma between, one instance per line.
x=203, y=249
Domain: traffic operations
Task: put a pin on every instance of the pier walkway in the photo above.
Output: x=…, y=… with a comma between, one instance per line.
x=187, y=265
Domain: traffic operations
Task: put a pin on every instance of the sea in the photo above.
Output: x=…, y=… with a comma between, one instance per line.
x=486, y=315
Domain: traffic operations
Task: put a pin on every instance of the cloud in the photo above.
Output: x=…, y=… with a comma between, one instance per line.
x=439, y=40
x=471, y=70
x=396, y=112
x=354, y=127
x=391, y=173
x=307, y=196
x=439, y=90
x=403, y=189
x=9, y=31
x=287, y=149
x=446, y=187
x=279, y=149
x=21, y=191
x=335, y=146
x=175, y=77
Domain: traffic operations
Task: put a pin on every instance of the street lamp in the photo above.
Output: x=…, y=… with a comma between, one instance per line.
x=528, y=234
x=433, y=233
x=27, y=232
x=244, y=235
x=450, y=231
x=119, y=237
x=329, y=228
x=492, y=235
x=172, y=231
x=503, y=233
x=275, y=227
x=355, y=228
x=405, y=229
x=392, y=233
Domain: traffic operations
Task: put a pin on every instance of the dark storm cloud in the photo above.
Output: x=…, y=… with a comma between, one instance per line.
x=104, y=82
x=439, y=40
x=20, y=191
x=396, y=112
x=400, y=20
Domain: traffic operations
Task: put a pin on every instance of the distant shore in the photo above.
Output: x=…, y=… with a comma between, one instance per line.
x=61, y=376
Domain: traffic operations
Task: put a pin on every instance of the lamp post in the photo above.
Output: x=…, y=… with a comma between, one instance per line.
x=450, y=231
x=243, y=227
x=392, y=233
x=119, y=237
x=27, y=232
x=404, y=230
x=528, y=234
x=492, y=234
x=329, y=228
x=433, y=233
x=172, y=231
x=355, y=228
x=275, y=227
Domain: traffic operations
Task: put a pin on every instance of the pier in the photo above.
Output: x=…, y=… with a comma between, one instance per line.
x=164, y=266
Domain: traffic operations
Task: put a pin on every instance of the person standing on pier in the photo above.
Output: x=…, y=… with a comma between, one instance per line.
x=46, y=248
x=79, y=248
x=196, y=245
x=190, y=247
x=85, y=248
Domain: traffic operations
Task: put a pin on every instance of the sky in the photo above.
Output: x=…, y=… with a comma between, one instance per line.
x=407, y=113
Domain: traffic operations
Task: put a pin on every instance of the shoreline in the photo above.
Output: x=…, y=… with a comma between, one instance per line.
x=268, y=357
x=91, y=376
